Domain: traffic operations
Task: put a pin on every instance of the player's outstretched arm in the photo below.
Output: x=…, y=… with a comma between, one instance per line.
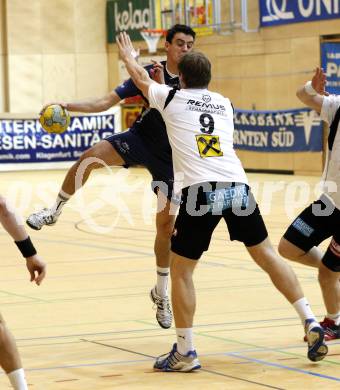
x=91, y=105
x=312, y=93
x=36, y=267
x=138, y=74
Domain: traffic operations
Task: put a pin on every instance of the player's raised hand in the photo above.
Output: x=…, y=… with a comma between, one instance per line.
x=157, y=72
x=319, y=82
x=62, y=104
x=126, y=49
x=37, y=269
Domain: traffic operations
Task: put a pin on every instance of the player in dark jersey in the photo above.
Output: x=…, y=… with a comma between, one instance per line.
x=140, y=145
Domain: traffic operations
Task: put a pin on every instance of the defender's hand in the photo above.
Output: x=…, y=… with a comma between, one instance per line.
x=37, y=269
x=319, y=82
x=157, y=72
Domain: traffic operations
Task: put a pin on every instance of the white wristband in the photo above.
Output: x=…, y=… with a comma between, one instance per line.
x=309, y=89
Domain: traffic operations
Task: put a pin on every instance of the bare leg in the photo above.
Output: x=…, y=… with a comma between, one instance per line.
x=96, y=157
x=284, y=279
x=183, y=290
x=330, y=287
x=291, y=252
x=9, y=355
x=183, y=356
x=164, y=226
x=281, y=274
x=104, y=152
x=159, y=294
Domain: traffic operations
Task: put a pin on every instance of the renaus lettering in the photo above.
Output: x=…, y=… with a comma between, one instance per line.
x=131, y=19
x=206, y=105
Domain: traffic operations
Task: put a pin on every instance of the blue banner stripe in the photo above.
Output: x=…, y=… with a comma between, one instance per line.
x=23, y=140
x=330, y=62
x=276, y=12
x=278, y=131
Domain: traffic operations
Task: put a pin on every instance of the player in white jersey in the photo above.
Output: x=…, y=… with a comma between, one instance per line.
x=321, y=219
x=9, y=355
x=214, y=186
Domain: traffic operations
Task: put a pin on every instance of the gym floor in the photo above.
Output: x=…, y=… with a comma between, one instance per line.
x=90, y=325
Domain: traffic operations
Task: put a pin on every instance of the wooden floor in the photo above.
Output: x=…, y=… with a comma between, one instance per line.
x=91, y=326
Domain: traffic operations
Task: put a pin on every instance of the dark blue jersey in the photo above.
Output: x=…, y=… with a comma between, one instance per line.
x=150, y=126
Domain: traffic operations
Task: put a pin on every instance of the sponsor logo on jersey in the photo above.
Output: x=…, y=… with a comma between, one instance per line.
x=205, y=106
x=209, y=145
x=198, y=103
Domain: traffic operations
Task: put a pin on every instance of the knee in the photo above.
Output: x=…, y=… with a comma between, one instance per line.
x=180, y=275
x=283, y=248
x=180, y=272
x=91, y=158
x=327, y=277
x=165, y=227
x=288, y=250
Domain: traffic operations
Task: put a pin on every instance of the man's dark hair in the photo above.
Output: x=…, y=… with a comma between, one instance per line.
x=195, y=69
x=179, y=28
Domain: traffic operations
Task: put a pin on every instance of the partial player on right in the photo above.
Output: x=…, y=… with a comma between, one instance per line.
x=321, y=219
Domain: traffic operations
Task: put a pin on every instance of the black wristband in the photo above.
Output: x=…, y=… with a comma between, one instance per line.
x=26, y=247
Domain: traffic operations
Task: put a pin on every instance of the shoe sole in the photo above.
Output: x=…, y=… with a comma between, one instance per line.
x=159, y=323
x=318, y=349
x=36, y=228
x=326, y=338
x=186, y=370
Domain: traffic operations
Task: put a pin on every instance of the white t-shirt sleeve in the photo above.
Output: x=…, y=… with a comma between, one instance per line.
x=329, y=108
x=157, y=95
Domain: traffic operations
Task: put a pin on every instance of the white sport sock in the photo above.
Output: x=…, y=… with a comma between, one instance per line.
x=304, y=310
x=60, y=202
x=17, y=379
x=185, y=341
x=334, y=317
x=162, y=281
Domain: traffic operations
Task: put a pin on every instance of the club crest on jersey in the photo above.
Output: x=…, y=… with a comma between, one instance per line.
x=206, y=98
x=209, y=145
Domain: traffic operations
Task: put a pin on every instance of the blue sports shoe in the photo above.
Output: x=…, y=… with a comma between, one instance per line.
x=174, y=361
x=317, y=349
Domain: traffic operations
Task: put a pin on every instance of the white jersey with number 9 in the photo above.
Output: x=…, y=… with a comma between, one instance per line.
x=200, y=128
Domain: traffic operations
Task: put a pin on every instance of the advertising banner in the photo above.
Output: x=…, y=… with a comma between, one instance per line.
x=127, y=15
x=24, y=141
x=330, y=62
x=276, y=12
x=278, y=131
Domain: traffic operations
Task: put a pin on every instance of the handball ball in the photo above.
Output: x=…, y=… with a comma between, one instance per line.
x=55, y=119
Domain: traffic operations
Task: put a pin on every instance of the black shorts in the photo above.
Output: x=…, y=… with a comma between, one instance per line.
x=319, y=221
x=201, y=210
x=133, y=151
